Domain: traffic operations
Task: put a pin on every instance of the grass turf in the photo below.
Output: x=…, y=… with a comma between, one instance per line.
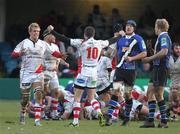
x=9, y=124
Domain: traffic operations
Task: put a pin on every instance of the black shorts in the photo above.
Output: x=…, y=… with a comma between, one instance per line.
x=160, y=74
x=125, y=75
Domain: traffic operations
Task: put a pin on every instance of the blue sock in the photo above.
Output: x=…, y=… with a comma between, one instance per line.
x=162, y=108
x=112, y=103
x=152, y=109
x=128, y=107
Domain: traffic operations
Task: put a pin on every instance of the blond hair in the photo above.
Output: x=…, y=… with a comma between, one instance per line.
x=162, y=24
x=32, y=25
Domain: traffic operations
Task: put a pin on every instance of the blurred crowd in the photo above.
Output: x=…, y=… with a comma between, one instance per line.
x=74, y=29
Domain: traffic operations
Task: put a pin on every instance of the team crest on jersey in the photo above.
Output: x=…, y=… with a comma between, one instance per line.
x=163, y=41
x=80, y=81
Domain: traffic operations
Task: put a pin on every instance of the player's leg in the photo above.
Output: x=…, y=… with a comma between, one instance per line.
x=77, y=105
x=55, y=94
x=38, y=95
x=117, y=89
x=24, y=101
x=151, y=106
x=91, y=85
x=159, y=84
x=114, y=101
x=25, y=85
x=68, y=108
x=128, y=104
x=129, y=80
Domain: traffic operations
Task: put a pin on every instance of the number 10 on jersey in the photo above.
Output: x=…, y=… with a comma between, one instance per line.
x=92, y=52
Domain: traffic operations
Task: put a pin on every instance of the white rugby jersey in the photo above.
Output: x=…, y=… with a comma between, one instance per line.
x=175, y=71
x=89, y=50
x=32, y=58
x=50, y=62
x=103, y=64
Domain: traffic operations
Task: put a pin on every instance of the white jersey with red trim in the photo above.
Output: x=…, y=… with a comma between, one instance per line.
x=90, y=51
x=103, y=64
x=50, y=62
x=33, y=55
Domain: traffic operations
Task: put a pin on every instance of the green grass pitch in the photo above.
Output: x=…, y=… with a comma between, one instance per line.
x=9, y=124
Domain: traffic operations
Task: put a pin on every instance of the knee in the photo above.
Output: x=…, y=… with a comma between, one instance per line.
x=38, y=92
x=159, y=96
x=25, y=99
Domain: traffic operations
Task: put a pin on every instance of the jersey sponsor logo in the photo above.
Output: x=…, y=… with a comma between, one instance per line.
x=93, y=82
x=80, y=81
x=163, y=41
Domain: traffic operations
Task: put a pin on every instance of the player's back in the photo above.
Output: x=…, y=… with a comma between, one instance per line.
x=89, y=50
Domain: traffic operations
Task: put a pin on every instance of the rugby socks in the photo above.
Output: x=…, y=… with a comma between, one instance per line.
x=152, y=109
x=95, y=104
x=113, y=103
x=54, y=106
x=128, y=107
x=76, y=112
x=162, y=109
x=37, y=109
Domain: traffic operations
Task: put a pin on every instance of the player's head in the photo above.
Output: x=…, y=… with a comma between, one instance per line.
x=176, y=49
x=130, y=27
x=34, y=31
x=48, y=37
x=161, y=25
x=89, y=32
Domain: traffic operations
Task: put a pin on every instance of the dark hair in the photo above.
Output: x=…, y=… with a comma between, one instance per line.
x=89, y=31
x=175, y=44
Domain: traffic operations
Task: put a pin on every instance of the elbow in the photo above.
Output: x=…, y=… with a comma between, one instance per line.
x=165, y=52
x=15, y=55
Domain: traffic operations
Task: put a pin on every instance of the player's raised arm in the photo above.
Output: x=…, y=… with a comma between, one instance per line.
x=59, y=36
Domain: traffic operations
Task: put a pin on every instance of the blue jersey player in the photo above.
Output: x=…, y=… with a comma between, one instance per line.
x=160, y=68
x=130, y=48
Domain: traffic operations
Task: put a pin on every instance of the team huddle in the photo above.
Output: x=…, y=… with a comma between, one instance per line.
x=105, y=78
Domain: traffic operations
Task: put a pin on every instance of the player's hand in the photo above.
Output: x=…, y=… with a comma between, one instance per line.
x=64, y=56
x=122, y=33
x=128, y=58
x=146, y=60
x=50, y=28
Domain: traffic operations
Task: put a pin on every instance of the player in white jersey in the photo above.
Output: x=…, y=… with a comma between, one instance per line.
x=51, y=64
x=104, y=69
x=174, y=96
x=32, y=50
x=90, y=50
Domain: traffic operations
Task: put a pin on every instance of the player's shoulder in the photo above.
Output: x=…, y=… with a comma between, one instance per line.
x=41, y=41
x=163, y=35
x=138, y=37
x=26, y=41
